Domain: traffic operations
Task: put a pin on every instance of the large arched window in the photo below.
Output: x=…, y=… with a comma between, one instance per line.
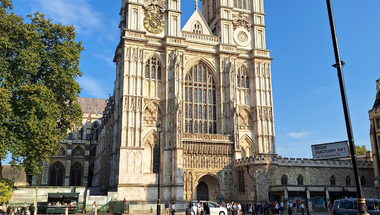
x=284, y=180
x=332, y=180
x=56, y=174
x=200, y=101
x=242, y=77
x=76, y=174
x=153, y=69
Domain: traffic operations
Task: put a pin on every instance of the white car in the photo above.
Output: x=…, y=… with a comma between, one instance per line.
x=209, y=207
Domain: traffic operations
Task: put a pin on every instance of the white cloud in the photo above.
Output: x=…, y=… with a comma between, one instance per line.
x=92, y=87
x=299, y=135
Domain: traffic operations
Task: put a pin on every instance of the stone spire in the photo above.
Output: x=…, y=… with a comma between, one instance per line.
x=378, y=85
x=196, y=4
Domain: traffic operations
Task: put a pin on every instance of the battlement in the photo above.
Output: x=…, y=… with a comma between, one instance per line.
x=269, y=159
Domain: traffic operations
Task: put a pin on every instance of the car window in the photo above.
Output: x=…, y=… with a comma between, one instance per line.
x=376, y=205
x=346, y=205
x=369, y=204
x=211, y=205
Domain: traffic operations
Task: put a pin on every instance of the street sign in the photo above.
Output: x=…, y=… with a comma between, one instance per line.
x=330, y=150
x=156, y=158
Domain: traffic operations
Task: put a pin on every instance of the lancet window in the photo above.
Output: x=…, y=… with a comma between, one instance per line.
x=200, y=101
x=241, y=4
x=153, y=69
x=242, y=77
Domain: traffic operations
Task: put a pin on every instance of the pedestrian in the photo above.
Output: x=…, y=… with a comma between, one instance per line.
x=282, y=208
x=25, y=208
x=302, y=208
x=32, y=209
x=244, y=208
x=295, y=207
x=167, y=208
x=172, y=208
x=94, y=207
x=330, y=206
x=9, y=210
x=290, y=210
x=276, y=208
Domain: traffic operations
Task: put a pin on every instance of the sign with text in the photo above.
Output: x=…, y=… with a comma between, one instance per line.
x=330, y=150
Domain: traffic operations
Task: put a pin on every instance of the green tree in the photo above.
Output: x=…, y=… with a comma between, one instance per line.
x=360, y=150
x=5, y=190
x=39, y=64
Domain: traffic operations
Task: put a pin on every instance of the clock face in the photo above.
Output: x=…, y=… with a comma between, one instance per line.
x=242, y=37
x=154, y=23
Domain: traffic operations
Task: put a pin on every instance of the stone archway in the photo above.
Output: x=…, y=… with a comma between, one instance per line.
x=208, y=188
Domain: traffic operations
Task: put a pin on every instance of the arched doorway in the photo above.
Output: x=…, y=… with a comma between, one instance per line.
x=202, y=191
x=208, y=188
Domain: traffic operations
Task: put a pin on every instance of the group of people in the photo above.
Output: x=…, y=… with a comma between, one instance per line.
x=20, y=210
x=263, y=208
x=170, y=208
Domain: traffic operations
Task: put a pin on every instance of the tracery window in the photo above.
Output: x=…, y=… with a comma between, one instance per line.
x=284, y=180
x=242, y=77
x=200, y=101
x=56, y=174
x=153, y=69
x=76, y=175
x=241, y=181
x=332, y=180
x=197, y=28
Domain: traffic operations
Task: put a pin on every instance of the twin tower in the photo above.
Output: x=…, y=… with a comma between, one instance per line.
x=208, y=84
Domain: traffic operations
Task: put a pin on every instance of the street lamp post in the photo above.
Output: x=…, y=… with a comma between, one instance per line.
x=362, y=208
x=159, y=130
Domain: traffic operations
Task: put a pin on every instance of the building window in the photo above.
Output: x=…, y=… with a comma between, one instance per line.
x=200, y=101
x=332, y=180
x=284, y=180
x=348, y=181
x=378, y=123
x=241, y=4
x=242, y=77
x=197, y=28
x=241, y=181
x=300, y=180
x=76, y=175
x=56, y=174
x=153, y=69
x=363, y=181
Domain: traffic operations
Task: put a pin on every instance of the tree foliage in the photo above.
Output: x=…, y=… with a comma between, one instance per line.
x=39, y=64
x=360, y=150
x=5, y=190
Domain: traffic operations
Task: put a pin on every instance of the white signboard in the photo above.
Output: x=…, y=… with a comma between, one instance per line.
x=330, y=150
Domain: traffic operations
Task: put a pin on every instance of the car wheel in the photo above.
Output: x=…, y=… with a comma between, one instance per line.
x=222, y=213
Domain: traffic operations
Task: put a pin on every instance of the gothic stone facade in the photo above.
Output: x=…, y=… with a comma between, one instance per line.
x=374, y=117
x=209, y=85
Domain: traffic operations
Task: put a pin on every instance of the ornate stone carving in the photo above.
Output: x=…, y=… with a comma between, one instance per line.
x=240, y=20
x=154, y=6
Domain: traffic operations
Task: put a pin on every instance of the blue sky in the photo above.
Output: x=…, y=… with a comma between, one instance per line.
x=307, y=103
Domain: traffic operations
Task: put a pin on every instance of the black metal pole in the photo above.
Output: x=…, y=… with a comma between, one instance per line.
x=362, y=208
x=158, y=174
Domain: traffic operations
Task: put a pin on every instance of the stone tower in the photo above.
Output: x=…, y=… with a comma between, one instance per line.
x=208, y=84
x=374, y=118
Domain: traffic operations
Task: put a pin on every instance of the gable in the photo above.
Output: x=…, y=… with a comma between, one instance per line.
x=197, y=24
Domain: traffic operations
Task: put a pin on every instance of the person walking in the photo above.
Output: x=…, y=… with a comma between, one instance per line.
x=302, y=208
x=167, y=208
x=282, y=208
x=32, y=209
x=244, y=208
x=94, y=207
x=295, y=207
x=276, y=207
x=172, y=208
